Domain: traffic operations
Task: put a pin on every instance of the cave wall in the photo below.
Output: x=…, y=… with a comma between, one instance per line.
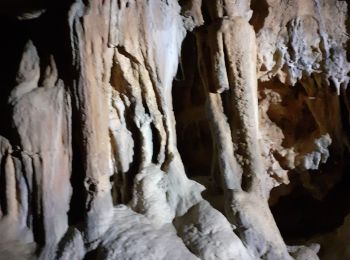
x=164, y=129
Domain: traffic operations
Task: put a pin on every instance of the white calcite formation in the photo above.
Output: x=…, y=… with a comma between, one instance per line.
x=89, y=145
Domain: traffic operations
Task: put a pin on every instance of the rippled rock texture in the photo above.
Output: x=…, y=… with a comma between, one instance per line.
x=165, y=129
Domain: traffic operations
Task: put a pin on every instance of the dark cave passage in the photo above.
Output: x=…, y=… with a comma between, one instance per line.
x=300, y=216
x=193, y=131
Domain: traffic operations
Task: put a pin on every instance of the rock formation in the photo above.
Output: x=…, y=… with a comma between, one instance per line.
x=165, y=129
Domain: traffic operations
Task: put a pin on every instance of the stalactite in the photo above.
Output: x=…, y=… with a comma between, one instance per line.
x=166, y=129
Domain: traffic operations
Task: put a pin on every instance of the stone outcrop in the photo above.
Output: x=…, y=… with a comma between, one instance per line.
x=165, y=129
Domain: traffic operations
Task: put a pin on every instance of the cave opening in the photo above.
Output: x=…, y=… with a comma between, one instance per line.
x=194, y=137
x=301, y=217
x=260, y=12
x=312, y=204
x=193, y=132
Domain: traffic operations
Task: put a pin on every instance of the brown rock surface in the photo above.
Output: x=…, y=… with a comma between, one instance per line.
x=165, y=129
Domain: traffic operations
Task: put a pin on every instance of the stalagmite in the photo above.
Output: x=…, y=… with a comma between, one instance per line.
x=174, y=129
x=235, y=45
